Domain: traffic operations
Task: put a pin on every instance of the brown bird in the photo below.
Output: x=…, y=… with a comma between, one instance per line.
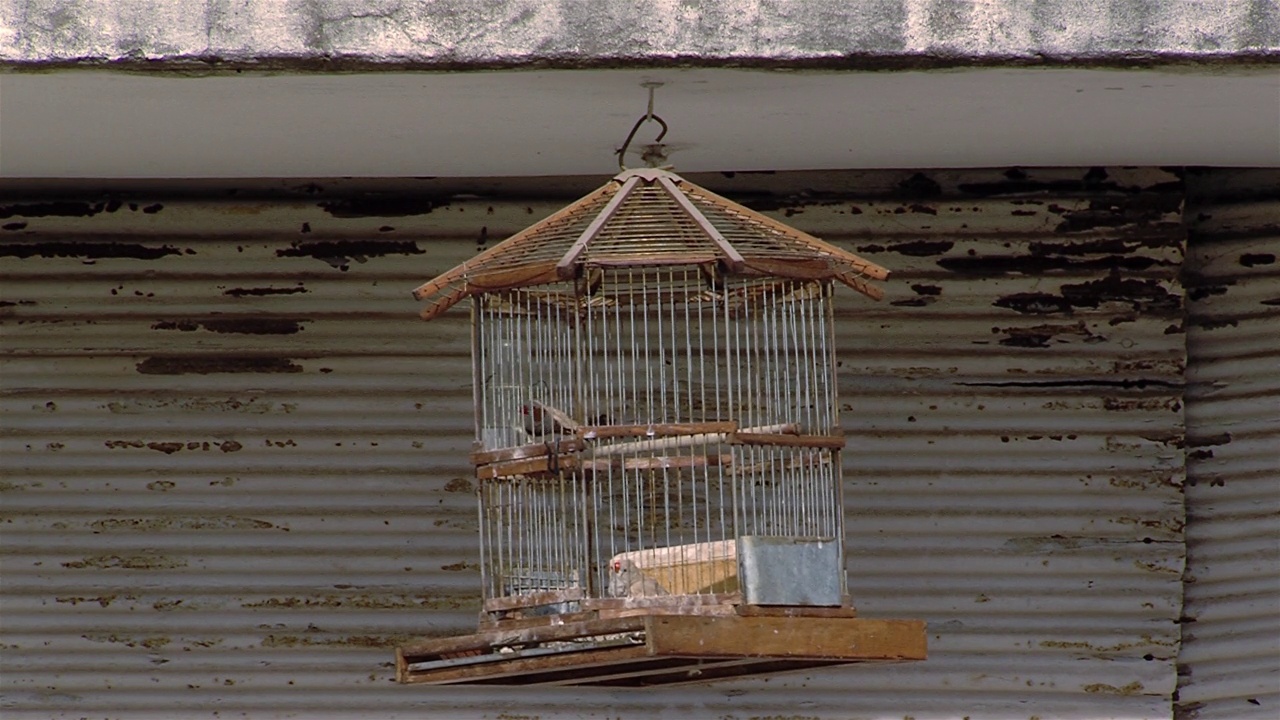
x=626, y=580
x=542, y=419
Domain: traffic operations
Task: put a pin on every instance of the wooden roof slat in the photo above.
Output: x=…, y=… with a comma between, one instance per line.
x=732, y=257
x=565, y=268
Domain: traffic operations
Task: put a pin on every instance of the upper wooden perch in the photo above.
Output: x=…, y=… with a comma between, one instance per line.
x=649, y=217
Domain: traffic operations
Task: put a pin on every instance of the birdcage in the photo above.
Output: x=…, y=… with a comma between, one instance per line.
x=657, y=447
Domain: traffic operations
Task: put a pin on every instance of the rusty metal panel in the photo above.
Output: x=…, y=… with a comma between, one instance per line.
x=236, y=470
x=1229, y=665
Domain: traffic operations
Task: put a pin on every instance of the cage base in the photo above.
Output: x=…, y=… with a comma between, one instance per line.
x=659, y=649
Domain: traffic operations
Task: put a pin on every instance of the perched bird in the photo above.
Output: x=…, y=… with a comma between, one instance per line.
x=542, y=419
x=626, y=580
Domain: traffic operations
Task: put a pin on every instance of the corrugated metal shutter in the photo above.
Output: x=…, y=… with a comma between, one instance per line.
x=1229, y=667
x=236, y=466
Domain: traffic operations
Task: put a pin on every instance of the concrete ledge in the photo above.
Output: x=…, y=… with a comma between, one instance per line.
x=213, y=35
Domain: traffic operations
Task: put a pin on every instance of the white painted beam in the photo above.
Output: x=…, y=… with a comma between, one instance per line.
x=557, y=122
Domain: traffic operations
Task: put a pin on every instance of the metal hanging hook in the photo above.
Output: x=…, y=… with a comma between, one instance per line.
x=649, y=116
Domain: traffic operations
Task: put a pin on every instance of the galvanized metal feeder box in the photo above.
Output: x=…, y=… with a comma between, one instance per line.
x=657, y=448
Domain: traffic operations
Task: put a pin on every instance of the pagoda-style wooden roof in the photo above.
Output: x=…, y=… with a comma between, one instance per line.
x=645, y=218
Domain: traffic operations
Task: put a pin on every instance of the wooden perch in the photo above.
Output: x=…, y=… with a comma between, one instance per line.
x=657, y=463
x=531, y=466
x=680, y=441
x=524, y=452
x=834, y=442
x=547, y=597
x=599, y=432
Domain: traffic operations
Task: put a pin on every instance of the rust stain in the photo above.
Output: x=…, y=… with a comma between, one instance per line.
x=997, y=265
x=250, y=405
x=1156, y=567
x=89, y=250
x=151, y=642
x=171, y=447
x=1141, y=482
x=461, y=485
x=213, y=364
x=1173, y=526
x=1101, y=246
x=340, y=253
x=243, y=326
x=375, y=601
x=1144, y=296
x=1200, y=292
x=383, y=206
x=262, y=291
x=1132, y=688
x=368, y=641
x=1146, y=641
x=921, y=248
x=151, y=524
x=1115, y=213
x=1034, y=303
x=914, y=302
x=1039, y=336
x=925, y=295
x=1121, y=404
x=102, y=600
x=58, y=208
x=129, y=562
x=1211, y=324
x=1065, y=645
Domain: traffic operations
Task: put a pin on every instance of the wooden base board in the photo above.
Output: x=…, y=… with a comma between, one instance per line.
x=648, y=650
x=705, y=605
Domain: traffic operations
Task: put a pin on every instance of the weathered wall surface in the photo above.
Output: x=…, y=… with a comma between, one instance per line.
x=236, y=467
x=460, y=33
x=1229, y=666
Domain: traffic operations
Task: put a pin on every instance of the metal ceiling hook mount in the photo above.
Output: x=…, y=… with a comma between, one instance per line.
x=654, y=154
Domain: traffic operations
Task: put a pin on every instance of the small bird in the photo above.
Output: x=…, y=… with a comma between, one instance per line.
x=626, y=580
x=542, y=419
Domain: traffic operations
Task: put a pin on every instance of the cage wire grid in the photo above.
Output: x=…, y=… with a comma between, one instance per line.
x=626, y=347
